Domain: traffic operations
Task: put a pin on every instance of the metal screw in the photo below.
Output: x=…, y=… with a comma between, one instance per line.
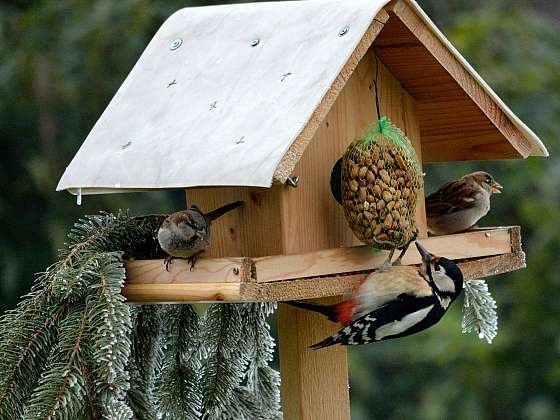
x=292, y=181
x=487, y=234
x=236, y=271
x=176, y=43
x=255, y=42
x=343, y=31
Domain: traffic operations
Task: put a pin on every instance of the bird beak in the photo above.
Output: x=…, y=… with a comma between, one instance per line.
x=199, y=234
x=426, y=259
x=426, y=256
x=496, y=188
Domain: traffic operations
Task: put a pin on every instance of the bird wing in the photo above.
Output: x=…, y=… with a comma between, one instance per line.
x=450, y=198
x=386, y=286
x=405, y=315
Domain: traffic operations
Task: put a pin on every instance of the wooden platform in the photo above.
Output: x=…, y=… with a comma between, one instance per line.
x=330, y=272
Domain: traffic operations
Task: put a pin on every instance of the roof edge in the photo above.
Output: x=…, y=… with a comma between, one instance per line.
x=537, y=146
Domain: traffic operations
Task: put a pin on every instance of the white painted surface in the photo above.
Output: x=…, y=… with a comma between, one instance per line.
x=233, y=109
x=155, y=136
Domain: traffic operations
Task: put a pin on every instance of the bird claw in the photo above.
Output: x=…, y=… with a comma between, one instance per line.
x=167, y=261
x=398, y=261
x=192, y=261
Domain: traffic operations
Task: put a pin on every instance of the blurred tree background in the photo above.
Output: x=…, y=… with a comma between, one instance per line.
x=62, y=61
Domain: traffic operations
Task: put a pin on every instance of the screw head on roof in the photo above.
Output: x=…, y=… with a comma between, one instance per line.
x=176, y=43
x=343, y=31
x=292, y=181
x=255, y=42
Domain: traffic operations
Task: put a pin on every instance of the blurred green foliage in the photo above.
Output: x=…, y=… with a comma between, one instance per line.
x=61, y=62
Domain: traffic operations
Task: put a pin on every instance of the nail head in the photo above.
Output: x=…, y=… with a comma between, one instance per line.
x=176, y=43
x=343, y=31
x=255, y=42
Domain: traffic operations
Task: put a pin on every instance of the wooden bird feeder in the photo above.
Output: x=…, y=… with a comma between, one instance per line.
x=228, y=102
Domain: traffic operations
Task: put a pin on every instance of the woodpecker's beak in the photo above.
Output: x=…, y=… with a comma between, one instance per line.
x=426, y=256
x=199, y=234
x=496, y=188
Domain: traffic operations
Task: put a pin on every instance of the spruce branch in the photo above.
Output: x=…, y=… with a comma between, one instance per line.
x=479, y=311
x=178, y=388
x=73, y=349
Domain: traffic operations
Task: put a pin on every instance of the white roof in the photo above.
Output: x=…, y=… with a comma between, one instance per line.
x=220, y=94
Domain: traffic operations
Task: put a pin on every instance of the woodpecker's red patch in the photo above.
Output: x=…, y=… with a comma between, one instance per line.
x=344, y=311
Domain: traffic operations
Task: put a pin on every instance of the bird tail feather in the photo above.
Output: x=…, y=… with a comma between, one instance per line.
x=219, y=212
x=326, y=310
x=329, y=341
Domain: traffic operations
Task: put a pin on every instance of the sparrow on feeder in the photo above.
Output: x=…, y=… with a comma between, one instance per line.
x=394, y=302
x=459, y=205
x=186, y=234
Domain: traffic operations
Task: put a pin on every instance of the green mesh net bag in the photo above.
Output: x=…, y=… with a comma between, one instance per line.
x=380, y=181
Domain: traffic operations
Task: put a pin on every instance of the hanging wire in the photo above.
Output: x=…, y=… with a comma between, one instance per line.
x=375, y=85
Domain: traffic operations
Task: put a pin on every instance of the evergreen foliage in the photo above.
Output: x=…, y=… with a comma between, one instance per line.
x=479, y=311
x=73, y=349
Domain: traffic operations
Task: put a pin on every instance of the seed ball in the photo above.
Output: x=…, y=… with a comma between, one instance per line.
x=385, y=176
x=363, y=194
x=368, y=233
x=354, y=169
x=387, y=196
x=370, y=177
x=400, y=161
x=377, y=230
x=382, y=237
x=353, y=185
x=362, y=172
x=388, y=222
x=380, y=204
x=370, y=198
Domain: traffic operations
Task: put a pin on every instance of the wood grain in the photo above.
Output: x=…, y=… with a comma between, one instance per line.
x=360, y=258
x=458, y=119
x=307, y=288
x=183, y=292
x=314, y=274
x=225, y=270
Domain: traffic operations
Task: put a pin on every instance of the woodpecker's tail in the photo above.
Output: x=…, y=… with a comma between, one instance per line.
x=327, y=342
x=219, y=212
x=341, y=312
x=326, y=310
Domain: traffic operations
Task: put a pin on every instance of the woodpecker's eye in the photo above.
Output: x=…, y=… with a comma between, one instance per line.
x=489, y=181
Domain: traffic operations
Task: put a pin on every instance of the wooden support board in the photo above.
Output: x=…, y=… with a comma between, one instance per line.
x=310, y=275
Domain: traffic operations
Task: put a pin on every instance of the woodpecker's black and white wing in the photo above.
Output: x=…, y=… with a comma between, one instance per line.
x=405, y=315
x=380, y=288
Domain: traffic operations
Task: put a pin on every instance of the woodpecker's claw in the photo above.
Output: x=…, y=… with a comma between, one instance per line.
x=398, y=261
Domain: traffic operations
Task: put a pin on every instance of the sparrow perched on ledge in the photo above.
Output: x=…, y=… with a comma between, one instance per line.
x=460, y=204
x=186, y=234
x=393, y=303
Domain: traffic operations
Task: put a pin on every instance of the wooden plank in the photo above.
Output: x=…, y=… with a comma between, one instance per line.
x=182, y=292
x=226, y=270
x=459, y=119
x=308, y=288
x=355, y=259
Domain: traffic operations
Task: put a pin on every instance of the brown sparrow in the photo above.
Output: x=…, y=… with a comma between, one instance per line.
x=460, y=204
x=186, y=234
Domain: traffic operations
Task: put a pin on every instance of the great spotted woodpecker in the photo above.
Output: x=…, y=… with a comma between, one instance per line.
x=395, y=302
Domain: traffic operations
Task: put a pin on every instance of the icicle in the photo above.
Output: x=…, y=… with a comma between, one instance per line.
x=79, y=197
